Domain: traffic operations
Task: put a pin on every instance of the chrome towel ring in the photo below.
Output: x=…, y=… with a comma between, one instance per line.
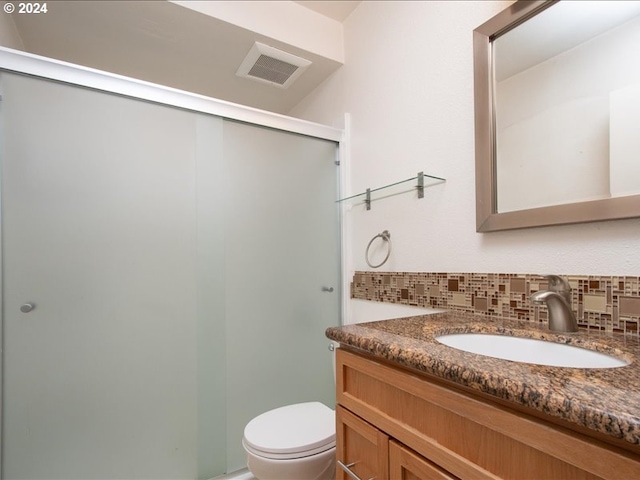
x=386, y=236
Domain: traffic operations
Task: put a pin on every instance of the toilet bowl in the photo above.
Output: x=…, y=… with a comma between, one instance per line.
x=296, y=442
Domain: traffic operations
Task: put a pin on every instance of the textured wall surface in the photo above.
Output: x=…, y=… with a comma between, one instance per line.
x=407, y=85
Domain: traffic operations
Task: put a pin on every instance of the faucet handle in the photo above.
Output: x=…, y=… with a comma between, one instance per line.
x=558, y=283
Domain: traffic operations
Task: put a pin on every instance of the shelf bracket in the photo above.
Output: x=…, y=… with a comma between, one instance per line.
x=420, y=184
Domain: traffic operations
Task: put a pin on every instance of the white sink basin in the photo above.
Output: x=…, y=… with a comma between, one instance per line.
x=528, y=350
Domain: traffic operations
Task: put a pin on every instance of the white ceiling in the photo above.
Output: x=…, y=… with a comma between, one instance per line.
x=338, y=10
x=165, y=43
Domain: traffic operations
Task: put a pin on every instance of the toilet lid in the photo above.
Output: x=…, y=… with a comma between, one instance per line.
x=292, y=431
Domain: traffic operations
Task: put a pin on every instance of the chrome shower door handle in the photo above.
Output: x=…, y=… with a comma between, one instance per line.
x=327, y=289
x=27, y=307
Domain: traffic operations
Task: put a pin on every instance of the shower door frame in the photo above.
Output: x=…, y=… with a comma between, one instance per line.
x=19, y=62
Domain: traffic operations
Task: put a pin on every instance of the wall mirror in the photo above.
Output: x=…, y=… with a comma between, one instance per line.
x=557, y=113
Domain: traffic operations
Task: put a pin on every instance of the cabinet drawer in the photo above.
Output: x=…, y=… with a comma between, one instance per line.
x=470, y=437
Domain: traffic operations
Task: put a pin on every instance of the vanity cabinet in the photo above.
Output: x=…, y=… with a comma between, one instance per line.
x=396, y=424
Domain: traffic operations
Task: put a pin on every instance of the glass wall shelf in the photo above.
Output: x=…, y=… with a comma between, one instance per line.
x=417, y=183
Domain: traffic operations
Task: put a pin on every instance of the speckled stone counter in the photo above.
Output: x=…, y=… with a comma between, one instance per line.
x=604, y=400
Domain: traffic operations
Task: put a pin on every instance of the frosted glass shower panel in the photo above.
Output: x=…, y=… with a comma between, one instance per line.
x=103, y=379
x=183, y=270
x=282, y=248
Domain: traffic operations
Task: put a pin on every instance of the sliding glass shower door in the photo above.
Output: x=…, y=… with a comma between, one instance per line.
x=101, y=301
x=282, y=273
x=133, y=286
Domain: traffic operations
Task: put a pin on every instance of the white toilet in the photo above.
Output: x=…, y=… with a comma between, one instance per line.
x=296, y=442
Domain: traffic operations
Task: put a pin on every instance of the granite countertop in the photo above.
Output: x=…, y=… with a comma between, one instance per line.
x=604, y=400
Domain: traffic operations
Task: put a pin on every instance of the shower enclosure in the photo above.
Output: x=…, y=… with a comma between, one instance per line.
x=163, y=272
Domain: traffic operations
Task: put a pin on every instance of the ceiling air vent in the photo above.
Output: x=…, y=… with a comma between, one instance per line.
x=270, y=65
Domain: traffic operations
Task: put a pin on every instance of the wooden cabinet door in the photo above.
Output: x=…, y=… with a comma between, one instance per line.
x=361, y=448
x=405, y=464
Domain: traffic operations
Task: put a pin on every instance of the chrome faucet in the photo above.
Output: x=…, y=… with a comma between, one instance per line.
x=558, y=300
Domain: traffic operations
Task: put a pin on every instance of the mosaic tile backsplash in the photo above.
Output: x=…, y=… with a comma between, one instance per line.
x=610, y=303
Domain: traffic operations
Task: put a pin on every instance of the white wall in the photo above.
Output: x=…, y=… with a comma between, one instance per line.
x=408, y=86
